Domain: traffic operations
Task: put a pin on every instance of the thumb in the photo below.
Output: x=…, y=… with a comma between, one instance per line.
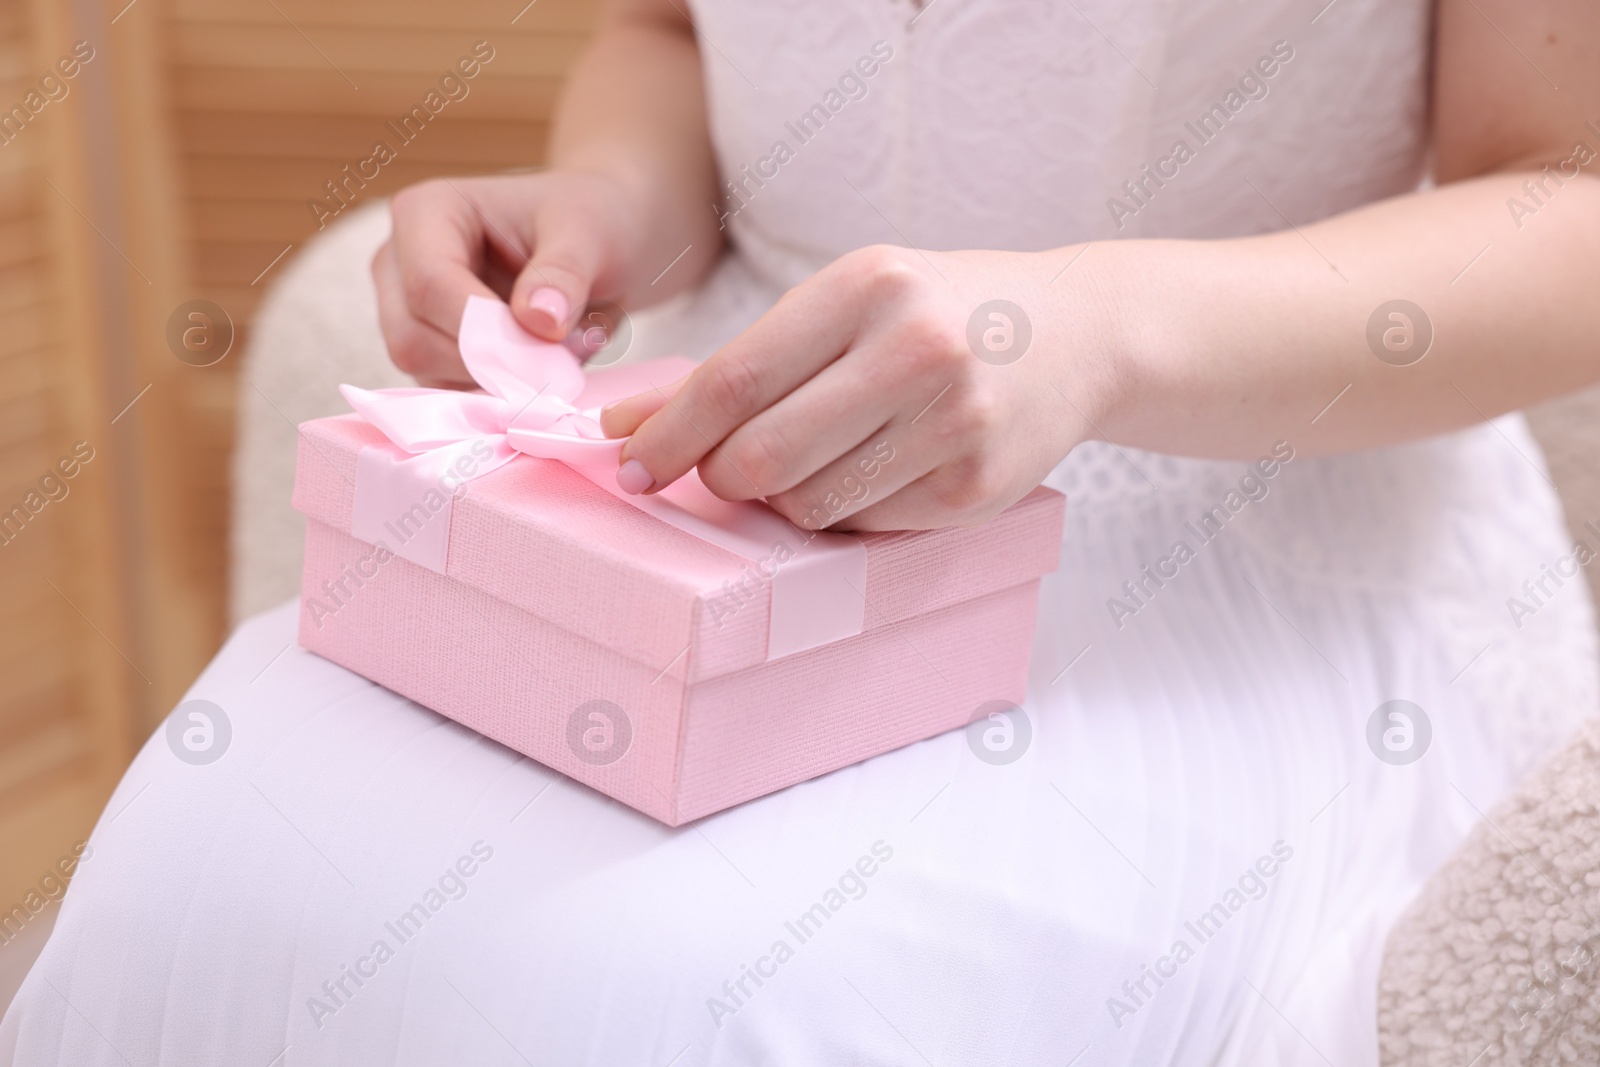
x=553, y=289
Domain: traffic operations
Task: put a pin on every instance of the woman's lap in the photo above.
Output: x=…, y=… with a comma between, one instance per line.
x=357, y=880
x=995, y=914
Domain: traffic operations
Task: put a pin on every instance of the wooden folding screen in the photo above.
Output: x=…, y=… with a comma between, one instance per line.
x=182, y=162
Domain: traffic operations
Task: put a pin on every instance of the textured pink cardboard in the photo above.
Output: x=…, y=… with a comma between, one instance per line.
x=631, y=656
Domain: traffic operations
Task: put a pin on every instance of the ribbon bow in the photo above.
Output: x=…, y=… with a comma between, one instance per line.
x=527, y=405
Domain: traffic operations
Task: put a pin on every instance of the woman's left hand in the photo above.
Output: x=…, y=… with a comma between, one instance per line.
x=893, y=390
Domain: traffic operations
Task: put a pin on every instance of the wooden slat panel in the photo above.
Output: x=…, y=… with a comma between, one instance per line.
x=20, y=243
x=40, y=822
x=57, y=744
x=426, y=54
x=459, y=141
x=29, y=378
x=24, y=330
x=25, y=421
x=21, y=287
x=465, y=15
x=37, y=662
x=324, y=92
x=232, y=177
x=65, y=710
x=260, y=114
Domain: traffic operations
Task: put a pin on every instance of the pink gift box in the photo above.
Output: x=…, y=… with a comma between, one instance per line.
x=634, y=656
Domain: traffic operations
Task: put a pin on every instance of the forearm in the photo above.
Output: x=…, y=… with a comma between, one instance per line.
x=1227, y=346
x=634, y=111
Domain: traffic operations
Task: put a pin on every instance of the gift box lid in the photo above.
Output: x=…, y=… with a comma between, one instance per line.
x=540, y=536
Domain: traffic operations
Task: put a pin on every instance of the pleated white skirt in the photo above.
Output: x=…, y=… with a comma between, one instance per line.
x=1192, y=858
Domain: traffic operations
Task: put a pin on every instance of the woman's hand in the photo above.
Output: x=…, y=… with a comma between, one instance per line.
x=622, y=214
x=545, y=243
x=892, y=390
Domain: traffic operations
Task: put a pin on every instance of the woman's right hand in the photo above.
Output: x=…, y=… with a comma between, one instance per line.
x=546, y=243
x=622, y=214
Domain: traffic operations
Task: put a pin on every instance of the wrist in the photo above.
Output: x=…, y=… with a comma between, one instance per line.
x=1108, y=363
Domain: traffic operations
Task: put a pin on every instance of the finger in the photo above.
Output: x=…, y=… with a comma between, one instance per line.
x=438, y=238
x=555, y=285
x=946, y=496
x=815, y=424
x=621, y=417
x=415, y=347
x=873, y=471
x=805, y=331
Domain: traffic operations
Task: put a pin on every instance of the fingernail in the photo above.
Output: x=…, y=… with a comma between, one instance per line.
x=609, y=408
x=633, y=478
x=548, y=300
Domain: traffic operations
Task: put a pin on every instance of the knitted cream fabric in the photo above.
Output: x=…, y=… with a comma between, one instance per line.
x=1497, y=962
x=317, y=327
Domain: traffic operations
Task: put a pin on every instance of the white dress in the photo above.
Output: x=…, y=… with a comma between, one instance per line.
x=1197, y=856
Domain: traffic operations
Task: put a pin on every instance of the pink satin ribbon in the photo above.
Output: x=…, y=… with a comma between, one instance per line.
x=444, y=438
x=530, y=385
